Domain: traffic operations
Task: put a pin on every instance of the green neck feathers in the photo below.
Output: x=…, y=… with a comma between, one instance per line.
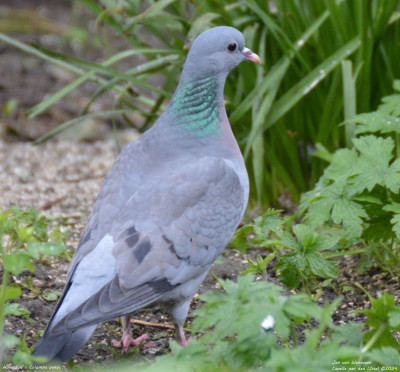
x=194, y=107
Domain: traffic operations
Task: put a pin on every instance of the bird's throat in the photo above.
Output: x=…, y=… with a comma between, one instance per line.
x=195, y=107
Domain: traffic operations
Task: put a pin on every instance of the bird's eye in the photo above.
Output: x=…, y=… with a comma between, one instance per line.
x=232, y=47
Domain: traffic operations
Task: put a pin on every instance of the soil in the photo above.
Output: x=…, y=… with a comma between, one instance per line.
x=61, y=179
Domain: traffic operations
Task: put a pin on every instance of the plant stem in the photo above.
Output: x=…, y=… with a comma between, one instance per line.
x=374, y=338
x=344, y=253
x=3, y=289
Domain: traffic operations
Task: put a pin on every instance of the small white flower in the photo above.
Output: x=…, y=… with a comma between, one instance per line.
x=268, y=323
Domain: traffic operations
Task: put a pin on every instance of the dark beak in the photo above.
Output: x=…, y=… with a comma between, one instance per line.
x=250, y=56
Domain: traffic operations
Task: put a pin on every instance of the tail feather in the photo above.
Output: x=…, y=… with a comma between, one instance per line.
x=62, y=347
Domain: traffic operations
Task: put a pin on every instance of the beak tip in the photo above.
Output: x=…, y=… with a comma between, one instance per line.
x=256, y=59
x=251, y=56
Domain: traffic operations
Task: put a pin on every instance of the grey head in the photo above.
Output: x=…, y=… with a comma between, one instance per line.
x=197, y=107
x=217, y=51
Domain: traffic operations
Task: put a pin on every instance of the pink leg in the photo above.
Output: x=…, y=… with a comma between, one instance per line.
x=127, y=340
x=180, y=335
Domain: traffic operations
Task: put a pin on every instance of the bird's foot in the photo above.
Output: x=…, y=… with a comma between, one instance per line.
x=127, y=340
x=183, y=341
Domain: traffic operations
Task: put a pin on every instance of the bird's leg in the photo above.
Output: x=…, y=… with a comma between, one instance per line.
x=127, y=340
x=180, y=335
x=179, y=313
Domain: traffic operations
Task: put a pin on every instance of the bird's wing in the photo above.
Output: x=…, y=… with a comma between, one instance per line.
x=167, y=234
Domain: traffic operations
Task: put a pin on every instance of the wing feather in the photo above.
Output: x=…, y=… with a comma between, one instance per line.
x=163, y=236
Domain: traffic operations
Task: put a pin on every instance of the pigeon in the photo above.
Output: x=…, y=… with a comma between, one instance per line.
x=166, y=210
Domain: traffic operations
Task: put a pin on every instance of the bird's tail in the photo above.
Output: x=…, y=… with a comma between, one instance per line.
x=64, y=346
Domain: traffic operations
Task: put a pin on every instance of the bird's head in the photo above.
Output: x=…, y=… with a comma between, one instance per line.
x=218, y=50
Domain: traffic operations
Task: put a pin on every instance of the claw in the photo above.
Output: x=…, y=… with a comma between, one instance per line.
x=127, y=340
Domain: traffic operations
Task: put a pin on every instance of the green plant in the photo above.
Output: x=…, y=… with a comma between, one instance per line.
x=383, y=318
x=306, y=262
x=24, y=238
x=236, y=341
x=302, y=257
x=259, y=266
x=258, y=231
x=293, y=102
x=358, y=192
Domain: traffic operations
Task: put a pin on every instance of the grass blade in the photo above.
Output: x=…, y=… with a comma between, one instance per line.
x=70, y=123
x=349, y=100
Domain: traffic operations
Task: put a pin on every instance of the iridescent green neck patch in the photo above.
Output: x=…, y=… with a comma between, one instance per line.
x=195, y=108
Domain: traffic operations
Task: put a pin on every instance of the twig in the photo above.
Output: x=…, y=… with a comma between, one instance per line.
x=156, y=325
x=159, y=325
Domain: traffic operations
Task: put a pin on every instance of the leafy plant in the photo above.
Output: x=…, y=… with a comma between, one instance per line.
x=236, y=341
x=259, y=266
x=383, y=318
x=292, y=103
x=24, y=238
x=258, y=231
x=307, y=261
x=302, y=257
x=358, y=191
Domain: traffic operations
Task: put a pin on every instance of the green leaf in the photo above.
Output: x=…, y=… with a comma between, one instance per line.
x=306, y=262
x=391, y=104
x=312, y=241
x=301, y=308
x=379, y=225
x=51, y=295
x=12, y=293
x=9, y=341
x=16, y=263
x=14, y=309
x=343, y=165
x=25, y=234
x=22, y=358
x=394, y=319
x=290, y=267
x=379, y=323
x=261, y=227
x=351, y=333
x=334, y=202
x=260, y=266
x=270, y=221
x=349, y=213
x=240, y=240
x=386, y=356
x=395, y=220
x=373, y=165
x=36, y=250
x=321, y=267
x=376, y=121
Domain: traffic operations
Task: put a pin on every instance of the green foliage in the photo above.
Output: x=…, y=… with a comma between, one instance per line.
x=358, y=191
x=383, y=319
x=259, y=230
x=235, y=340
x=313, y=54
x=24, y=238
x=259, y=266
x=306, y=262
x=301, y=256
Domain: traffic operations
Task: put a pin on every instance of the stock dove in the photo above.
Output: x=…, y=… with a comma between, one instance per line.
x=166, y=210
